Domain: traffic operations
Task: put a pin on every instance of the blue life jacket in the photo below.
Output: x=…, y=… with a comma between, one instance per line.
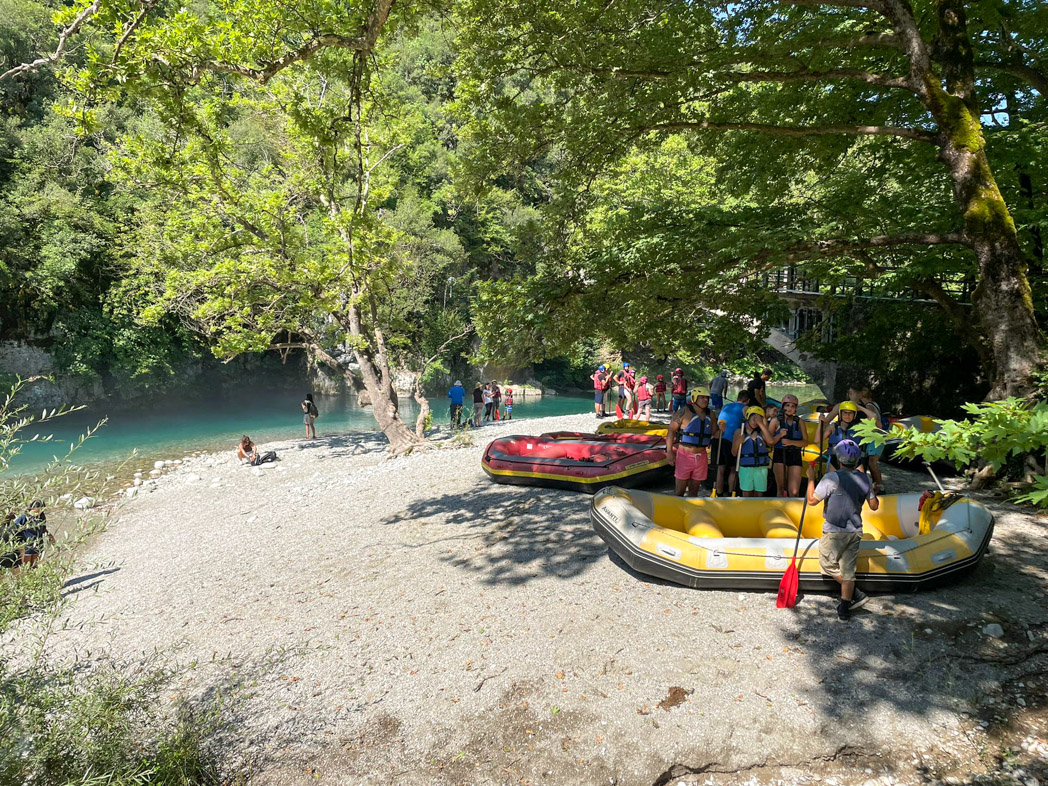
x=698, y=432
x=839, y=434
x=793, y=430
x=754, y=451
x=843, y=511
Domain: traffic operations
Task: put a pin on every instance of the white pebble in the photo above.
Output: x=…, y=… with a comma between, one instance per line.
x=158, y=465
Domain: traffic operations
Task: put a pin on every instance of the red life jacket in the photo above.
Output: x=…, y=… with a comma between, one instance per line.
x=631, y=379
x=660, y=387
x=680, y=385
x=598, y=380
x=643, y=394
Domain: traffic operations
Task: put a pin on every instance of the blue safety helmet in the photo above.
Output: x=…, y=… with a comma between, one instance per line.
x=625, y=365
x=600, y=367
x=847, y=452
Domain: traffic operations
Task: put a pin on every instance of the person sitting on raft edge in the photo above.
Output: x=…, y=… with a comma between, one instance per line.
x=844, y=491
x=694, y=426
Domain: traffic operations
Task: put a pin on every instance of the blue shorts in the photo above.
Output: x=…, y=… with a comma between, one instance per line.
x=717, y=401
x=874, y=450
x=509, y=408
x=598, y=397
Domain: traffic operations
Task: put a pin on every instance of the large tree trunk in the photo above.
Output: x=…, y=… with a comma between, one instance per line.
x=1002, y=299
x=378, y=381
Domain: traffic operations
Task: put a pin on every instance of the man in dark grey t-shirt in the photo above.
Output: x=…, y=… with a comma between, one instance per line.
x=844, y=492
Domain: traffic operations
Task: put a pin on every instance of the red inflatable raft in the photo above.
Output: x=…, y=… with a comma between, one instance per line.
x=586, y=463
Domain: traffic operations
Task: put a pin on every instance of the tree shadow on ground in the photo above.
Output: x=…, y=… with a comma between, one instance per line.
x=80, y=583
x=337, y=446
x=932, y=652
x=517, y=533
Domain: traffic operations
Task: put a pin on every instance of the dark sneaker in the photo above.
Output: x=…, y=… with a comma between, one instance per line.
x=844, y=611
x=859, y=598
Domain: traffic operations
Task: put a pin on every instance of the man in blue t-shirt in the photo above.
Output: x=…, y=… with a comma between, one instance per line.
x=729, y=421
x=457, y=394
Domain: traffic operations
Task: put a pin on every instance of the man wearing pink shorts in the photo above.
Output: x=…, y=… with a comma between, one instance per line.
x=691, y=430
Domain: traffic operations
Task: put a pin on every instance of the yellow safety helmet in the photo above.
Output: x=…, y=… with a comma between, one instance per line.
x=811, y=453
x=847, y=406
x=753, y=411
x=697, y=392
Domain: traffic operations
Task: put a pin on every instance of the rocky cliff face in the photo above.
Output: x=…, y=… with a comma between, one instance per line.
x=44, y=385
x=41, y=387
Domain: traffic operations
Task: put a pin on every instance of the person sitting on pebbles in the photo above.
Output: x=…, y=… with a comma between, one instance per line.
x=31, y=529
x=248, y=452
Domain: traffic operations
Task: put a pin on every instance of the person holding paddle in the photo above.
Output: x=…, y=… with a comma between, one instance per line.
x=844, y=491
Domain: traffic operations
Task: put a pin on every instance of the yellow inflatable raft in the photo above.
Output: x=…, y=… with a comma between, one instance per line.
x=747, y=543
x=629, y=426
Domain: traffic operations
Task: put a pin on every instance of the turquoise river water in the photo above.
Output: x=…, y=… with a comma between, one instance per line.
x=170, y=430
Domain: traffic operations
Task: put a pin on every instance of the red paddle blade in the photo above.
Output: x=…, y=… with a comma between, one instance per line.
x=788, y=587
x=618, y=411
x=496, y=414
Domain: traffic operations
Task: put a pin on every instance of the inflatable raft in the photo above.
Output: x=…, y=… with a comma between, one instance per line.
x=578, y=464
x=630, y=426
x=747, y=543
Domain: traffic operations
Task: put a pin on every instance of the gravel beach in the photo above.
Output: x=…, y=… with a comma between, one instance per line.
x=406, y=621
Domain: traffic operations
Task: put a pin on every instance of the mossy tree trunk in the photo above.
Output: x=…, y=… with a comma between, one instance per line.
x=1002, y=301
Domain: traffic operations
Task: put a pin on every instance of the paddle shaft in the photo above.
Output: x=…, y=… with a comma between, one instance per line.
x=716, y=466
x=738, y=463
x=800, y=524
x=932, y=473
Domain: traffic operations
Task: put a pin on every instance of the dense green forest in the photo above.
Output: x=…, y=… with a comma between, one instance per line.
x=403, y=186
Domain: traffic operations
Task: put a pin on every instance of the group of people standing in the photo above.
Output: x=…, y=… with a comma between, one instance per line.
x=745, y=440
x=644, y=396
x=489, y=403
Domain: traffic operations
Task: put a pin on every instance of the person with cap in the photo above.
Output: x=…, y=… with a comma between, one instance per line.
x=457, y=394
x=786, y=459
x=643, y=392
x=600, y=389
x=660, y=393
x=691, y=432
x=831, y=431
x=509, y=403
x=844, y=491
x=718, y=387
x=30, y=532
x=729, y=420
x=752, y=444
x=678, y=389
